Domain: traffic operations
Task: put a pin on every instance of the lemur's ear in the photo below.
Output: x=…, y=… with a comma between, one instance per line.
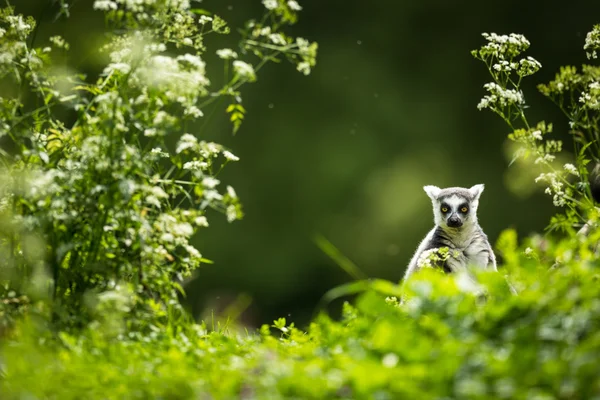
x=476, y=191
x=432, y=191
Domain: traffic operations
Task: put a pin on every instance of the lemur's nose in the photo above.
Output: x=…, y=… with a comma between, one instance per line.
x=454, y=222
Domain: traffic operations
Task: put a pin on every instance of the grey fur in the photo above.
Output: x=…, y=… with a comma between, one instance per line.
x=468, y=239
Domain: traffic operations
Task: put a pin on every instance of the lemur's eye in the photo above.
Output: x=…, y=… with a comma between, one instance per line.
x=464, y=209
x=444, y=209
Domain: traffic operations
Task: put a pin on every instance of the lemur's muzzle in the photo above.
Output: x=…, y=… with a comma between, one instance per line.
x=454, y=222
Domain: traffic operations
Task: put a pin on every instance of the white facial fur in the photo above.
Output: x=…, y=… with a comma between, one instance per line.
x=454, y=199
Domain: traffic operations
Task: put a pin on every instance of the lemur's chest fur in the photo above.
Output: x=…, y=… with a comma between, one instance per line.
x=467, y=247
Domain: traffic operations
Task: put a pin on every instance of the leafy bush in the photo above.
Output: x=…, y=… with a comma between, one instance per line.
x=113, y=207
x=443, y=343
x=103, y=174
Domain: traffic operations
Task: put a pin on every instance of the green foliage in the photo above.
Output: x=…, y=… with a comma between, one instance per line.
x=443, y=342
x=106, y=179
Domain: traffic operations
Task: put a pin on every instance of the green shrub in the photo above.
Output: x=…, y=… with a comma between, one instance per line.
x=103, y=183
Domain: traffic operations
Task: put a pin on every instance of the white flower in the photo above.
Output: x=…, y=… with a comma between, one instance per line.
x=226, y=54
x=188, y=42
x=201, y=221
x=159, y=152
x=231, y=213
x=167, y=237
x=230, y=156
x=537, y=135
x=204, y=19
x=194, y=111
x=210, y=182
x=187, y=141
x=270, y=4
x=277, y=38
x=570, y=168
x=195, y=165
x=500, y=97
x=183, y=229
x=193, y=252
x=293, y=5
x=105, y=5
x=158, y=192
x=303, y=67
x=123, y=68
x=231, y=192
x=528, y=251
x=152, y=200
x=244, y=70
x=592, y=42
x=547, y=158
x=559, y=200
x=127, y=187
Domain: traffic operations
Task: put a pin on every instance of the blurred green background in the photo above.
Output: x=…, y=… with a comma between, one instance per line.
x=389, y=108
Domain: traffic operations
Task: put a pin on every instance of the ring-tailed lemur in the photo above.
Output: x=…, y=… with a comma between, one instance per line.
x=456, y=227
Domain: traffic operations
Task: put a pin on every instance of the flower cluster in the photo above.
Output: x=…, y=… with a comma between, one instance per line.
x=140, y=6
x=500, y=55
x=500, y=98
x=592, y=42
x=266, y=40
x=502, y=47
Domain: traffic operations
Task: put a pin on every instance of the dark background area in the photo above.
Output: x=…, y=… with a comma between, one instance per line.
x=389, y=108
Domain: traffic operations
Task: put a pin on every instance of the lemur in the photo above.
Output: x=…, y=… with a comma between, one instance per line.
x=456, y=227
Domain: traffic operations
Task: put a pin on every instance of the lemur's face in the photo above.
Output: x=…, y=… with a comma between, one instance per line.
x=454, y=207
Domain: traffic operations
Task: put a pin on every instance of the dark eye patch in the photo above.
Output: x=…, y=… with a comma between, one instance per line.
x=464, y=208
x=445, y=208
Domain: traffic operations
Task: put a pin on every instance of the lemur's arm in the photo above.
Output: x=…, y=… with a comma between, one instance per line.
x=412, y=265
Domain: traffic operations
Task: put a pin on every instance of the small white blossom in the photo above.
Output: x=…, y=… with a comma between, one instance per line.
x=231, y=213
x=159, y=152
x=231, y=192
x=201, y=221
x=123, y=68
x=592, y=42
x=270, y=4
x=105, y=5
x=570, y=168
x=226, y=54
x=546, y=158
x=537, y=135
x=500, y=97
x=244, y=70
x=187, y=141
x=195, y=165
x=277, y=38
x=204, y=19
x=193, y=111
x=303, y=67
x=210, y=182
x=183, y=229
x=230, y=156
x=293, y=5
